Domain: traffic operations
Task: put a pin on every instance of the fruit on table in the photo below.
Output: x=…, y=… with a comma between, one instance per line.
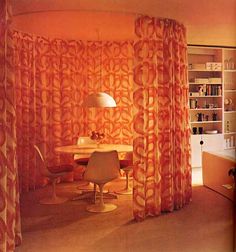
x=97, y=136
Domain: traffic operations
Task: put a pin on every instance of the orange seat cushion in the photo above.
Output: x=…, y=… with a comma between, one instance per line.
x=82, y=161
x=61, y=168
x=125, y=162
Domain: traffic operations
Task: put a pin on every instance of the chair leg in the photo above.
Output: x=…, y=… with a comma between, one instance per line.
x=127, y=180
x=54, y=199
x=101, y=201
x=101, y=207
x=127, y=190
x=95, y=192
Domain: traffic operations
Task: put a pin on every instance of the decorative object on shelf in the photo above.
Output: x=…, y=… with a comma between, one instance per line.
x=194, y=130
x=227, y=126
x=97, y=137
x=200, y=117
x=214, y=116
x=201, y=90
x=99, y=100
x=231, y=64
x=228, y=143
x=211, y=105
x=226, y=64
x=200, y=130
x=192, y=104
x=228, y=104
x=232, y=141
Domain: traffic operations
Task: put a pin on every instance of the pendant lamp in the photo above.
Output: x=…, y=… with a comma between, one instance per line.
x=99, y=100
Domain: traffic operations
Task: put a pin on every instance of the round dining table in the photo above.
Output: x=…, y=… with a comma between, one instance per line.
x=87, y=150
x=90, y=148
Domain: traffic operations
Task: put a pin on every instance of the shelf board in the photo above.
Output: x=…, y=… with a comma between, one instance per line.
x=229, y=148
x=205, y=122
x=230, y=133
x=230, y=70
x=230, y=112
x=230, y=91
x=205, y=109
x=205, y=96
x=203, y=83
x=219, y=133
x=203, y=70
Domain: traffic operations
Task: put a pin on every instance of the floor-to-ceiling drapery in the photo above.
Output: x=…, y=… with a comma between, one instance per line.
x=10, y=231
x=53, y=76
x=162, y=173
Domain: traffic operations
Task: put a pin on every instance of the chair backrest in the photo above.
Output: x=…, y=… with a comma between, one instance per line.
x=83, y=140
x=42, y=166
x=102, y=167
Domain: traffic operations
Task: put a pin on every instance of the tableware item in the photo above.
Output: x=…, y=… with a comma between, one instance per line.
x=211, y=131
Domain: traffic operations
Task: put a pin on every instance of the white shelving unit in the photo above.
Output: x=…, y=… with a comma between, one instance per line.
x=212, y=99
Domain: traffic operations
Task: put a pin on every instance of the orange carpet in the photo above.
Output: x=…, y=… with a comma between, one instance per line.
x=205, y=225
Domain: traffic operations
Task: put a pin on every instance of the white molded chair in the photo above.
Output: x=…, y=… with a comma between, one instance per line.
x=102, y=168
x=127, y=166
x=82, y=160
x=60, y=170
x=79, y=158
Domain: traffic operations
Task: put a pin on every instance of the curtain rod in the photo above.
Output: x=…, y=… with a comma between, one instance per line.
x=215, y=46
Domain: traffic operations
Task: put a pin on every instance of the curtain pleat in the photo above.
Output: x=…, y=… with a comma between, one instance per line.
x=162, y=171
x=10, y=228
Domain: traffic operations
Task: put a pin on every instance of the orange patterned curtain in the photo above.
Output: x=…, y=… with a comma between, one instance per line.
x=10, y=230
x=110, y=69
x=53, y=77
x=162, y=173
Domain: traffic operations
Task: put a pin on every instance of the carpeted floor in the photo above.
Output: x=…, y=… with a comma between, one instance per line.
x=205, y=225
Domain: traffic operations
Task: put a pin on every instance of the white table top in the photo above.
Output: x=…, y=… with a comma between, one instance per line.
x=90, y=148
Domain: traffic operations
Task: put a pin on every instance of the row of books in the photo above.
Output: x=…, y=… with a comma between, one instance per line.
x=209, y=90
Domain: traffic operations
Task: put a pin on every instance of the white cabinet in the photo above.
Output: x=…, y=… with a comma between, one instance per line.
x=209, y=142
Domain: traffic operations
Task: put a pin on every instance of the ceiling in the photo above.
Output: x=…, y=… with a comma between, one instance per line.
x=213, y=16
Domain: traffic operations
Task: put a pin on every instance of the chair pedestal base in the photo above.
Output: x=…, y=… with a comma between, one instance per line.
x=52, y=201
x=125, y=192
x=101, y=208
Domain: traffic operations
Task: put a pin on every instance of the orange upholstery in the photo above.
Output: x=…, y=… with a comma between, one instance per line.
x=82, y=161
x=57, y=172
x=61, y=168
x=125, y=162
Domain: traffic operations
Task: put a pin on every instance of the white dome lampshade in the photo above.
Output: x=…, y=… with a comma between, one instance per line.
x=99, y=100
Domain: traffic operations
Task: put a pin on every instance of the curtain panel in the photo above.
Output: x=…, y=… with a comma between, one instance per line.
x=52, y=78
x=162, y=172
x=10, y=229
